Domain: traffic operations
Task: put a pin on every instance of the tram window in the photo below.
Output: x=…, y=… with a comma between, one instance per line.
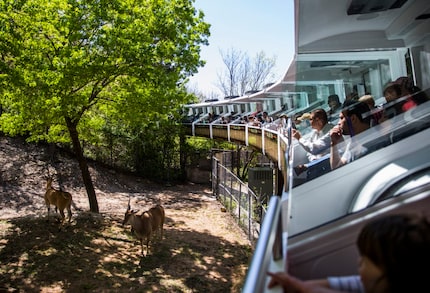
x=366, y=74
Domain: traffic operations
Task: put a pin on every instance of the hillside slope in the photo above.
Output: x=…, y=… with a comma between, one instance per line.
x=203, y=248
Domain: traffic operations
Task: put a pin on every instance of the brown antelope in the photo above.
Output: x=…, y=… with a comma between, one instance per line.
x=141, y=225
x=158, y=217
x=58, y=198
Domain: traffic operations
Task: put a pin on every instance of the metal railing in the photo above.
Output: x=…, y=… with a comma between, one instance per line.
x=267, y=243
x=239, y=200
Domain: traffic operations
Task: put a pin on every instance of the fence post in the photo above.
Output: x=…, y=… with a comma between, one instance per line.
x=240, y=201
x=250, y=236
x=231, y=192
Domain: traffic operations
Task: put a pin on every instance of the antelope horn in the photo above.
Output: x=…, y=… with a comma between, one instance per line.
x=128, y=206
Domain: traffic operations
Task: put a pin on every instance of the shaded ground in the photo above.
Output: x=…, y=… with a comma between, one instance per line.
x=203, y=249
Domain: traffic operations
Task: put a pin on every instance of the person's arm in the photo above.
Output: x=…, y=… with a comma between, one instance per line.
x=293, y=284
x=317, y=146
x=320, y=283
x=296, y=134
x=307, y=144
x=335, y=158
x=336, y=137
x=351, y=284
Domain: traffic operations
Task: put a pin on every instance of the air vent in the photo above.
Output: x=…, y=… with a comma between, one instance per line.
x=366, y=6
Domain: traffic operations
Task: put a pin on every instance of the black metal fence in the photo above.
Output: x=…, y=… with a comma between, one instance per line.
x=238, y=199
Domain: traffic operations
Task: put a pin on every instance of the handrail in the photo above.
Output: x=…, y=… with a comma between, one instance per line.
x=256, y=276
x=271, y=142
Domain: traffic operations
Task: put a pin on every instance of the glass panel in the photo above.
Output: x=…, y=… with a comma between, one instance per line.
x=346, y=78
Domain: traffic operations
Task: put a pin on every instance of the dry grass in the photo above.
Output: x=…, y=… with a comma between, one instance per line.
x=203, y=249
x=96, y=254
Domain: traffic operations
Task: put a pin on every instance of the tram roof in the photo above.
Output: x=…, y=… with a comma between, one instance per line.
x=348, y=26
x=360, y=24
x=354, y=25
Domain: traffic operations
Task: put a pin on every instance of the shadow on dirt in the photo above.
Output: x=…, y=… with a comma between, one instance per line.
x=97, y=254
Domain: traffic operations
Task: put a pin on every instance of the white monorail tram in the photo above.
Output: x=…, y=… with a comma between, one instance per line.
x=343, y=47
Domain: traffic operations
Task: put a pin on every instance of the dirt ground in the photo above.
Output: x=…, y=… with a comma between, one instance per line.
x=203, y=249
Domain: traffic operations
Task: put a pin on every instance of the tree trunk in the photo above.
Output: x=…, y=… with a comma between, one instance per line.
x=72, y=127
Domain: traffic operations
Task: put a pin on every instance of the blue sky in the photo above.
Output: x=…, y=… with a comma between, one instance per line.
x=250, y=26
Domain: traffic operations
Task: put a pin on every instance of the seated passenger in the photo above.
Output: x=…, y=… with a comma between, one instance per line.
x=318, y=144
x=394, y=254
x=225, y=120
x=302, y=122
x=414, y=95
x=211, y=117
x=281, y=122
x=350, y=98
x=353, y=119
x=375, y=112
x=267, y=118
x=394, y=103
x=253, y=121
x=243, y=120
x=260, y=120
x=401, y=95
x=335, y=107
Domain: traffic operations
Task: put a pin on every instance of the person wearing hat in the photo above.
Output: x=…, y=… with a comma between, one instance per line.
x=302, y=122
x=305, y=116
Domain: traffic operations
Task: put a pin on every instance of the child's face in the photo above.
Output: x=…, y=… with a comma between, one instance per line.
x=372, y=276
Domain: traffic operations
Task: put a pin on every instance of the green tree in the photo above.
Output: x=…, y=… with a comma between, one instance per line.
x=64, y=61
